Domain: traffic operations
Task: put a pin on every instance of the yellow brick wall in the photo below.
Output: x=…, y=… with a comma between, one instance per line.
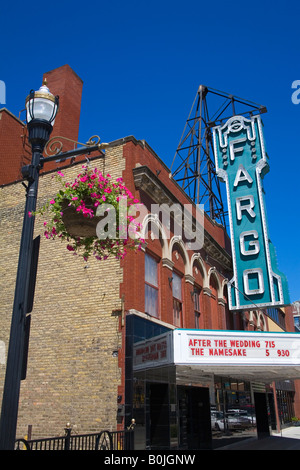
x=72, y=375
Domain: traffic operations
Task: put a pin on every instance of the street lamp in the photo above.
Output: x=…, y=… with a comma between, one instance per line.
x=41, y=108
x=41, y=105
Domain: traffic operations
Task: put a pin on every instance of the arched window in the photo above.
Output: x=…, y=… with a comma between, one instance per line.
x=255, y=320
x=179, y=260
x=151, y=286
x=177, y=299
x=214, y=287
x=197, y=293
x=228, y=313
x=261, y=321
x=153, y=256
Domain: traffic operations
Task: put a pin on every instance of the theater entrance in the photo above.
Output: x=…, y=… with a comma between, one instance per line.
x=159, y=416
x=262, y=415
x=194, y=418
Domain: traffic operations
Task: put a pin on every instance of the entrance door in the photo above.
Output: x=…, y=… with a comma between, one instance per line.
x=261, y=411
x=159, y=416
x=194, y=418
x=272, y=410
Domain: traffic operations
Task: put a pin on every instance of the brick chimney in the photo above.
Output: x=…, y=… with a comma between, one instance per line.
x=65, y=83
x=14, y=149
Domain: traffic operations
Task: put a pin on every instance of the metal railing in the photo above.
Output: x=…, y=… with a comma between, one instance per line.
x=105, y=440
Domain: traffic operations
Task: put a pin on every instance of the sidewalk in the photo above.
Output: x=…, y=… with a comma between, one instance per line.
x=287, y=439
x=292, y=432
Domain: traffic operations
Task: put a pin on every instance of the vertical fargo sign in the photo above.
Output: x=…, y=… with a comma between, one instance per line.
x=242, y=162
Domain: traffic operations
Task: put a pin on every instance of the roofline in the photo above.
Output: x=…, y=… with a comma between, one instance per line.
x=13, y=116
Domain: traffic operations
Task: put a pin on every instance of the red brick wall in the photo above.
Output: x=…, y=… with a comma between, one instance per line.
x=11, y=149
x=297, y=399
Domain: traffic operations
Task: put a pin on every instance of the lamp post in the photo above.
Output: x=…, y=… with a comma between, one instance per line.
x=41, y=109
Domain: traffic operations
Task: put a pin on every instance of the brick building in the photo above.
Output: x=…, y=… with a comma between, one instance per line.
x=103, y=333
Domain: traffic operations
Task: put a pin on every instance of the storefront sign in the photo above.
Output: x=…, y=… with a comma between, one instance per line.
x=236, y=348
x=242, y=162
x=153, y=352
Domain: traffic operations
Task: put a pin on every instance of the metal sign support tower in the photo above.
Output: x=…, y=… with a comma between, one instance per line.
x=194, y=157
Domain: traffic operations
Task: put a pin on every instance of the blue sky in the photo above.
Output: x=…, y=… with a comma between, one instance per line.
x=142, y=62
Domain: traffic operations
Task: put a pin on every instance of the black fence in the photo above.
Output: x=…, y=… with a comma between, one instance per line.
x=105, y=440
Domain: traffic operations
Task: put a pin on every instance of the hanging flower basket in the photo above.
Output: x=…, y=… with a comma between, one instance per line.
x=78, y=207
x=76, y=224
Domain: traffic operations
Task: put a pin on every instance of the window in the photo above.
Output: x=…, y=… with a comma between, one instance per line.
x=277, y=315
x=151, y=286
x=196, y=296
x=177, y=300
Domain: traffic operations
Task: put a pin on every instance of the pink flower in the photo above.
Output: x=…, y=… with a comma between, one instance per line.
x=29, y=214
x=60, y=173
x=52, y=201
x=74, y=198
x=70, y=248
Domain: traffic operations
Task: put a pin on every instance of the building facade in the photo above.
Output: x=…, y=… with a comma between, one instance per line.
x=105, y=335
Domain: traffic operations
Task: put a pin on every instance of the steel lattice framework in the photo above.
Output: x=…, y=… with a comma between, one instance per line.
x=193, y=165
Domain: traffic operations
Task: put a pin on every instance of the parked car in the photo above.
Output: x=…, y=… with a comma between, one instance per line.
x=232, y=420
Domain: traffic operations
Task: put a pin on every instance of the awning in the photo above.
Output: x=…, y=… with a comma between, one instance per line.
x=244, y=355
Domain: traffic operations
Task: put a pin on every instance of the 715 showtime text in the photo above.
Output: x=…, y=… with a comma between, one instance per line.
x=232, y=347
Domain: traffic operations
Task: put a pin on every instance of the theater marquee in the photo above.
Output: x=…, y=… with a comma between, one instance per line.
x=242, y=162
x=254, y=356
x=198, y=354
x=236, y=348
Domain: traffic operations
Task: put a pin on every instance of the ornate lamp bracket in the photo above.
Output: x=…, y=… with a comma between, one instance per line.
x=54, y=148
x=55, y=145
